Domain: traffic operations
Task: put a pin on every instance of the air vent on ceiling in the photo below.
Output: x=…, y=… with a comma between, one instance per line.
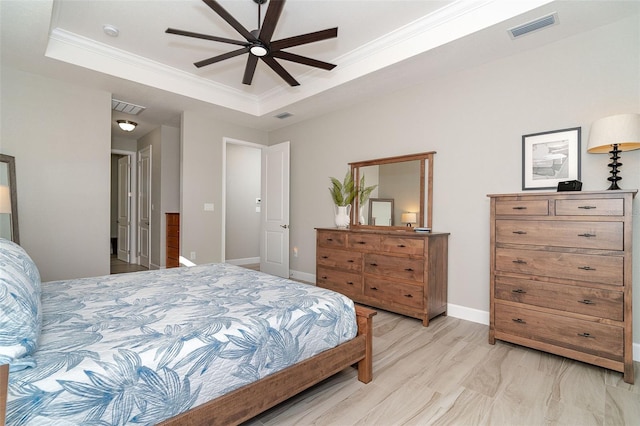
x=283, y=115
x=126, y=107
x=534, y=25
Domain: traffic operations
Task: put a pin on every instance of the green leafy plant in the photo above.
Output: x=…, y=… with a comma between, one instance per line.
x=343, y=193
x=364, y=191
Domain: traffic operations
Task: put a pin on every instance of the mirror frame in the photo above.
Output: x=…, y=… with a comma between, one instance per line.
x=426, y=188
x=13, y=189
x=380, y=200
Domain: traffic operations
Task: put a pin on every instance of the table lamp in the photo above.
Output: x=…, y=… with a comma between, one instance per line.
x=615, y=134
x=409, y=218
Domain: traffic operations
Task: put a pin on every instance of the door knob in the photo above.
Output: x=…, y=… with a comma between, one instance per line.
x=284, y=226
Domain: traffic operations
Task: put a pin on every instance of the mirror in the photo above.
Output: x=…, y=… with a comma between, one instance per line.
x=380, y=212
x=403, y=187
x=8, y=199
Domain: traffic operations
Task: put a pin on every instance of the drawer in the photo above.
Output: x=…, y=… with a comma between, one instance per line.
x=173, y=230
x=332, y=239
x=573, y=266
x=599, y=303
x=173, y=253
x=402, y=245
x=584, y=336
x=588, y=235
x=368, y=242
x=173, y=242
x=594, y=207
x=389, y=291
x=522, y=207
x=173, y=219
x=342, y=259
x=347, y=283
x=397, y=267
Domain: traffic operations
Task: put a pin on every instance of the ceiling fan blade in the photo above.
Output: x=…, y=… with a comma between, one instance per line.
x=292, y=57
x=205, y=36
x=230, y=19
x=222, y=57
x=280, y=71
x=304, y=39
x=270, y=20
x=250, y=69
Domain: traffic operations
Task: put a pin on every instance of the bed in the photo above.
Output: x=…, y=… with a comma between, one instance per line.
x=209, y=344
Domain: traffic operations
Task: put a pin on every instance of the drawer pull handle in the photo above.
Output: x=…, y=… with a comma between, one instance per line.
x=519, y=291
x=587, y=207
x=408, y=269
x=519, y=232
x=324, y=277
x=350, y=261
x=374, y=288
x=329, y=239
x=519, y=320
x=408, y=295
x=519, y=208
x=586, y=268
x=401, y=245
x=350, y=282
x=586, y=302
x=520, y=262
x=325, y=257
x=586, y=335
x=361, y=242
x=586, y=235
x=373, y=264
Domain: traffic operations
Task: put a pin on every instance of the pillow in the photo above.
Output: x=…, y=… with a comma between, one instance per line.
x=20, y=309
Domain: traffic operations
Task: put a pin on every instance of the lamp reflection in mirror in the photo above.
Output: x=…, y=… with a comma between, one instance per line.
x=126, y=125
x=615, y=134
x=409, y=218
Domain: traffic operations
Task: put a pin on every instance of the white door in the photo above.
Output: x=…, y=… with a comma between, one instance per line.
x=144, y=206
x=124, y=207
x=274, y=233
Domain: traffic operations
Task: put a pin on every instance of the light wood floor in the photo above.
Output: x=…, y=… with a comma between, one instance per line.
x=120, y=267
x=447, y=374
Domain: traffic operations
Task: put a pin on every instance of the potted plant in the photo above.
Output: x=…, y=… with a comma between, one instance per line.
x=343, y=193
x=363, y=195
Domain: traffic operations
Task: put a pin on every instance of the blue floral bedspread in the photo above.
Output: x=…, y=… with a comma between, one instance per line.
x=142, y=347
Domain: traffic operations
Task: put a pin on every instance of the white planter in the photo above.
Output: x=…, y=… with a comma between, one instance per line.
x=343, y=216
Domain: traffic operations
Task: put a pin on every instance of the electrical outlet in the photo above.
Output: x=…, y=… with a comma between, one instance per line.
x=192, y=256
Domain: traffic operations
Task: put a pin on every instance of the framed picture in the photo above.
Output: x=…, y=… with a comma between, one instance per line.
x=550, y=157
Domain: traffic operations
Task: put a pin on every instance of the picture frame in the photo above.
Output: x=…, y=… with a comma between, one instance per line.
x=550, y=157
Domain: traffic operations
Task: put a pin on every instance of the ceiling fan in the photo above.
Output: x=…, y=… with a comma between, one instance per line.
x=258, y=42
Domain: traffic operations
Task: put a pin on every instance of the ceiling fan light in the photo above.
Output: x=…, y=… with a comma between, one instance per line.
x=126, y=125
x=258, y=50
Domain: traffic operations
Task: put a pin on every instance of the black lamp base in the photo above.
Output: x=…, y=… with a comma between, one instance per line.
x=614, y=164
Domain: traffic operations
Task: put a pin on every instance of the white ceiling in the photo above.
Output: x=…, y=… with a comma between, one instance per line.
x=382, y=46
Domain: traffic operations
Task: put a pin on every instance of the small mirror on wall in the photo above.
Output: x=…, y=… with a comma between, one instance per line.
x=8, y=199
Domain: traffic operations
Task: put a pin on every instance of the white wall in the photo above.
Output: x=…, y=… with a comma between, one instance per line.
x=474, y=120
x=201, y=182
x=62, y=156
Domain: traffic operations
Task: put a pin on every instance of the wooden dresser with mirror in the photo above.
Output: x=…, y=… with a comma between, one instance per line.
x=379, y=260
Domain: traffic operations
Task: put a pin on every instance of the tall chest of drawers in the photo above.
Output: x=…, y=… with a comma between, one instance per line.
x=561, y=275
x=173, y=240
x=399, y=271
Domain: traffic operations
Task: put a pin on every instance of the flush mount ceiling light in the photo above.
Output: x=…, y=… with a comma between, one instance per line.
x=127, y=125
x=110, y=30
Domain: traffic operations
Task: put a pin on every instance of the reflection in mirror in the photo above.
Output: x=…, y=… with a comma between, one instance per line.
x=380, y=212
x=8, y=199
x=407, y=180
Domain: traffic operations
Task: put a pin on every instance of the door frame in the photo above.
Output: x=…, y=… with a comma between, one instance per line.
x=133, y=239
x=223, y=215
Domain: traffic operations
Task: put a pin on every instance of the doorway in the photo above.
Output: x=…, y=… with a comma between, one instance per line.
x=123, y=238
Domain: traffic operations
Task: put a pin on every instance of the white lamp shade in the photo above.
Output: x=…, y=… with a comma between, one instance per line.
x=5, y=199
x=408, y=218
x=622, y=129
x=126, y=125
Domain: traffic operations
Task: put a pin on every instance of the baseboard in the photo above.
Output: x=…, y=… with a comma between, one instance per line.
x=245, y=261
x=302, y=276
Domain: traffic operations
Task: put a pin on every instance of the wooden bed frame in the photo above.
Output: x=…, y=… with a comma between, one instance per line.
x=248, y=401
